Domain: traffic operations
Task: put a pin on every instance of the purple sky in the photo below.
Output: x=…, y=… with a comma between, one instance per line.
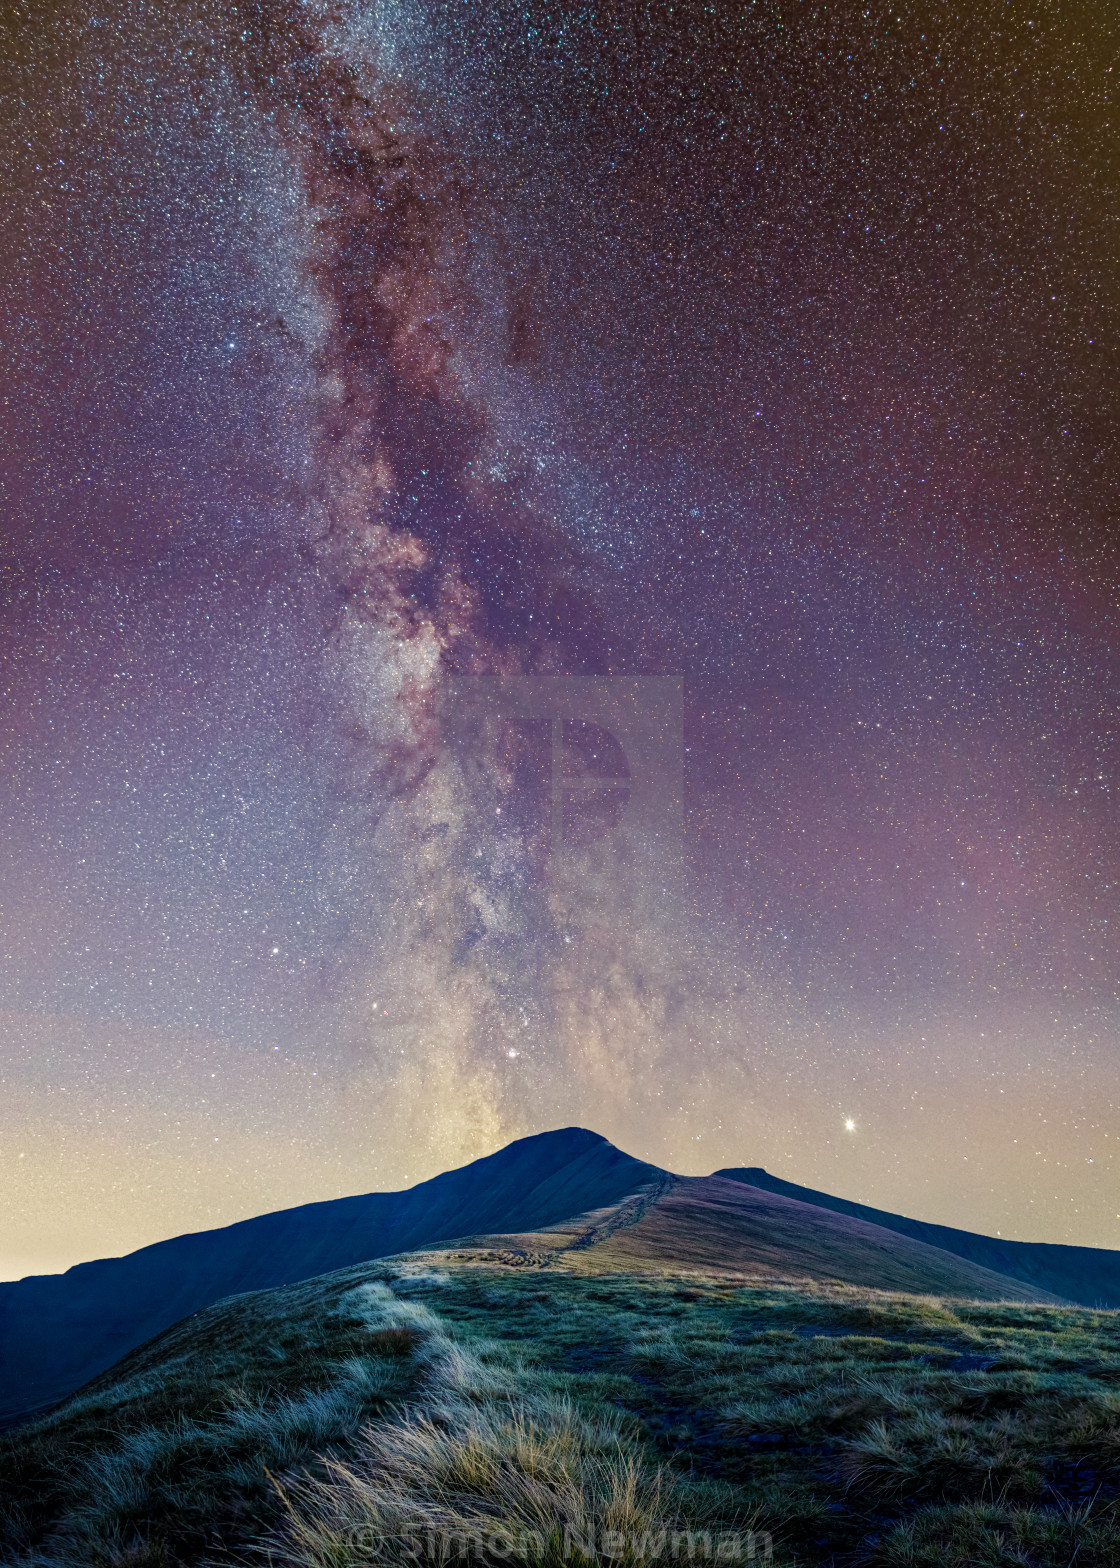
x=345, y=357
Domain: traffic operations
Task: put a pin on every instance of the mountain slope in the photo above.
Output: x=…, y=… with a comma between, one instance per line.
x=857, y=1427
x=1089, y=1276
x=726, y=1227
x=58, y=1331
x=567, y=1193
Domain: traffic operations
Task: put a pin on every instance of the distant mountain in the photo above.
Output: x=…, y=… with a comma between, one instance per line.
x=59, y=1330
x=567, y=1198
x=710, y=1223
x=1089, y=1276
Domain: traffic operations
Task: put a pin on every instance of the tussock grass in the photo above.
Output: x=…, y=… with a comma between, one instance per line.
x=334, y=1423
x=175, y=1457
x=992, y=1535
x=480, y=1461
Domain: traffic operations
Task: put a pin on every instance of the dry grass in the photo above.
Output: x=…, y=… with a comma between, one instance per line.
x=175, y=1460
x=535, y=1416
x=480, y=1462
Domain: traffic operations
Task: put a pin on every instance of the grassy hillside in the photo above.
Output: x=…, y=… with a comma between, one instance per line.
x=1088, y=1275
x=708, y=1222
x=547, y=1411
x=59, y=1330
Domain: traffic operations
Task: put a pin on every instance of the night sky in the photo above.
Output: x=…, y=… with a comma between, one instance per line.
x=762, y=354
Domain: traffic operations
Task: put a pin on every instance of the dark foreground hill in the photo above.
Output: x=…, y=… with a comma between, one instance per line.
x=1087, y=1275
x=59, y=1330
x=554, y=1401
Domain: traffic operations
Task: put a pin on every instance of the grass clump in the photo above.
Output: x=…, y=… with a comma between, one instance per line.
x=486, y=1464
x=395, y=1341
x=993, y=1535
x=415, y=1413
x=174, y=1458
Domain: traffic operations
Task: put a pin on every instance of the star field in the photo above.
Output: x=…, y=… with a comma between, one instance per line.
x=352, y=352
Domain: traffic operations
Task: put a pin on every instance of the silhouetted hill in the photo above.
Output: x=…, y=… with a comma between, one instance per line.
x=59, y=1330
x=1089, y=1276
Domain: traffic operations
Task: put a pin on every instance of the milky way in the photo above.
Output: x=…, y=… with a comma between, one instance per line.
x=380, y=379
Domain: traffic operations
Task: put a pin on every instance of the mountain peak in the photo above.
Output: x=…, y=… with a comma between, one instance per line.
x=59, y=1330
